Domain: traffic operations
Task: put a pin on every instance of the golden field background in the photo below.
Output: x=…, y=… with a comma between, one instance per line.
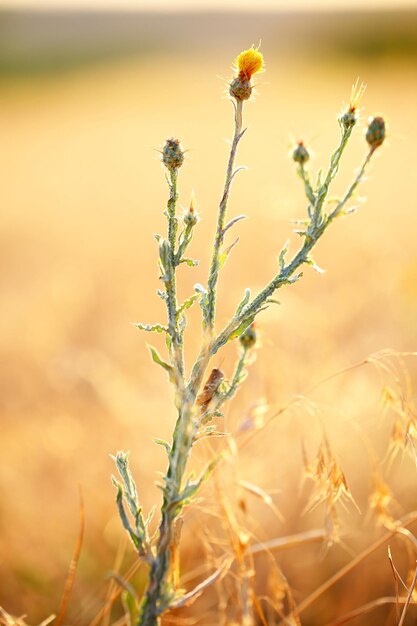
x=83, y=192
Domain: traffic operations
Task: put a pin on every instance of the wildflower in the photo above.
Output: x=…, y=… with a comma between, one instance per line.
x=375, y=133
x=350, y=117
x=172, y=155
x=300, y=154
x=247, y=63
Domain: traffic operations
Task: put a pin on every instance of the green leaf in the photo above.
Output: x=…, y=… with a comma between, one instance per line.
x=223, y=256
x=190, y=262
x=281, y=258
x=188, y=303
x=241, y=328
x=130, y=607
x=243, y=303
x=157, y=359
x=151, y=328
x=192, y=487
x=163, y=443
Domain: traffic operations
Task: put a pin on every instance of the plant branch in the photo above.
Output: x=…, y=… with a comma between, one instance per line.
x=209, y=313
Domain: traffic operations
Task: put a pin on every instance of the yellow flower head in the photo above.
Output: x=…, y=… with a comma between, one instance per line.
x=249, y=62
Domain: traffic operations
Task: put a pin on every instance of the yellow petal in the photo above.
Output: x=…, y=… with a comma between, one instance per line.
x=249, y=62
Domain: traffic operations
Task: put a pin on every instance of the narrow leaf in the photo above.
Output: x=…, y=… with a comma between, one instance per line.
x=233, y=221
x=152, y=328
x=223, y=256
x=243, y=303
x=157, y=359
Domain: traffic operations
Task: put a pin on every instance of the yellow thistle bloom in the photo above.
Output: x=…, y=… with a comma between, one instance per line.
x=249, y=62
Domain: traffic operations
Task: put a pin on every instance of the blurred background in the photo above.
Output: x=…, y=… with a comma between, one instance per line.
x=89, y=91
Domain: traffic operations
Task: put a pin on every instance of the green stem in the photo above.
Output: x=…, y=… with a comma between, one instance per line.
x=236, y=378
x=337, y=211
x=218, y=241
x=307, y=184
x=317, y=226
x=157, y=595
x=170, y=285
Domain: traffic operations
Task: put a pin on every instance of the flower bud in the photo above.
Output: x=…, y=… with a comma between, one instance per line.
x=172, y=155
x=375, y=133
x=240, y=88
x=248, y=338
x=300, y=154
x=349, y=118
x=190, y=219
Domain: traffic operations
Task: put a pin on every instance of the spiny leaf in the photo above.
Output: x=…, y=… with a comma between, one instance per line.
x=152, y=328
x=188, y=303
x=190, y=262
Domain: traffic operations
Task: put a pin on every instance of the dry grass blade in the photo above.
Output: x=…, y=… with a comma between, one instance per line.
x=69, y=583
x=115, y=594
x=188, y=598
x=350, y=566
x=112, y=586
x=366, y=608
x=408, y=599
x=394, y=573
x=288, y=542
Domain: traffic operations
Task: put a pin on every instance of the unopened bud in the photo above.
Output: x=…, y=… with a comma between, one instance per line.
x=191, y=217
x=240, y=88
x=300, y=154
x=375, y=133
x=172, y=155
x=248, y=338
x=349, y=118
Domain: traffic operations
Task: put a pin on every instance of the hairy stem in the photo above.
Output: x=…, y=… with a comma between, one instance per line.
x=218, y=241
x=158, y=593
x=170, y=284
x=317, y=226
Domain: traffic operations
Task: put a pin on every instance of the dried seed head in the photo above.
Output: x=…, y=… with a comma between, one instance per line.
x=172, y=155
x=248, y=338
x=375, y=133
x=300, y=154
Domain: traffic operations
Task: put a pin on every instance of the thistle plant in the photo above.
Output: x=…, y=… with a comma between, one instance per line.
x=199, y=394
